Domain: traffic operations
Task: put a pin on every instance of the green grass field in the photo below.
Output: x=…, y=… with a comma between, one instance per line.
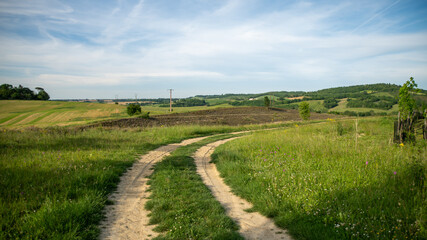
x=21, y=113
x=342, y=107
x=315, y=105
x=316, y=182
x=54, y=181
x=311, y=177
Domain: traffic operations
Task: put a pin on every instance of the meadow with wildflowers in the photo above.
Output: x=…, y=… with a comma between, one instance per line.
x=329, y=181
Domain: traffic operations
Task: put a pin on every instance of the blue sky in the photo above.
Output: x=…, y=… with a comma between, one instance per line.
x=100, y=49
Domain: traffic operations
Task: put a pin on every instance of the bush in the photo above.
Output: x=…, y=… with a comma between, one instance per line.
x=133, y=109
x=304, y=110
x=145, y=115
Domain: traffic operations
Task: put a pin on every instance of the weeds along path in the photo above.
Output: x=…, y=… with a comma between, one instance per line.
x=127, y=218
x=252, y=225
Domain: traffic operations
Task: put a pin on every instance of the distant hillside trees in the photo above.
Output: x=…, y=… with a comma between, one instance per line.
x=330, y=103
x=9, y=92
x=189, y=102
x=369, y=101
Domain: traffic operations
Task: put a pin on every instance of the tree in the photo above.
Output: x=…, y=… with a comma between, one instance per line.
x=304, y=110
x=42, y=94
x=404, y=127
x=266, y=102
x=7, y=91
x=133, y=109
x=406, y=101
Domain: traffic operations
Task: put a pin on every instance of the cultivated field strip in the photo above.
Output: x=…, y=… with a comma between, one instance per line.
x=127, y=218
x=252, y=225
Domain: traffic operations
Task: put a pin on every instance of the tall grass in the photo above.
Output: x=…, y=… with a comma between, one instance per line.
x=54, y=182
x=316, y=182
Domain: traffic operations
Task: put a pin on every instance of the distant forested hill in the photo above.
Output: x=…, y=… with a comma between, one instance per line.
x=368, y=99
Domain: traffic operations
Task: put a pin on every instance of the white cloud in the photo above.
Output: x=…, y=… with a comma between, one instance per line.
x=130, y=44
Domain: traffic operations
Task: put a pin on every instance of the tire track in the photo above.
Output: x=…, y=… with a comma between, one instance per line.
x=252, y=225
x=127, y=218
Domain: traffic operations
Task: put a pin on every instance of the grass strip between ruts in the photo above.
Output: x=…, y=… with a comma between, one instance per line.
x=181, y=205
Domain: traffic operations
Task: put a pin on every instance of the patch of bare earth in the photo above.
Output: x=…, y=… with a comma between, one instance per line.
x=252, y=225
x=220, y=116
x=127, y=218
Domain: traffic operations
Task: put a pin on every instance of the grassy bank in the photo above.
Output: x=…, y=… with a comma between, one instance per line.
x=317, y=183
x=54, y=182
x=182, y=205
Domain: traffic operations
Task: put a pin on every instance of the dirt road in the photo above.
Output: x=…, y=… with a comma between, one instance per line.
x=127, y=218
x=252, y=225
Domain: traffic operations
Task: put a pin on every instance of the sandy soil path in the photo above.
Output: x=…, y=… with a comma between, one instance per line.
x=252, y=225
x=127, y=218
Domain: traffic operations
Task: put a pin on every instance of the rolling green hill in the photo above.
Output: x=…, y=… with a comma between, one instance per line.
x=47, y=113
x=362, y=100
x=370, y=99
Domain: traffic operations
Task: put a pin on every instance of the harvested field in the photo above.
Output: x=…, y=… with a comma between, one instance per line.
x=219, y=116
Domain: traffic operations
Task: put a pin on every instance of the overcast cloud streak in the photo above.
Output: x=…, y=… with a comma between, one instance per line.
x=97, y=49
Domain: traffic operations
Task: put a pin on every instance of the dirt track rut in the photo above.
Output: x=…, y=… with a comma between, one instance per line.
x=127, y=218
x=252, y=225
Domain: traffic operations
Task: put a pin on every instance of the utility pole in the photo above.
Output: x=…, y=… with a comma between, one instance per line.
x=136, y=98
x=170, y=102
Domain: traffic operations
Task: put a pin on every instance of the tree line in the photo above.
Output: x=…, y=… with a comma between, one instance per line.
x=9, y=92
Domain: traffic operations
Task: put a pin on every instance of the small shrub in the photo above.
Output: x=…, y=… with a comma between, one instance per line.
x=133, y=109
x=304, y=110
x=145, y=115
x=266, y=102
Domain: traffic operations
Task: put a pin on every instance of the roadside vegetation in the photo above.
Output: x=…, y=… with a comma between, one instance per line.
x=329, y=181
x=55, y=181
x=181, y=205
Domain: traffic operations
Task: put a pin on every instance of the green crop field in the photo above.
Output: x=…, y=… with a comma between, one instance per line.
x=342, y=107
x=21, y=113
x=327, y=181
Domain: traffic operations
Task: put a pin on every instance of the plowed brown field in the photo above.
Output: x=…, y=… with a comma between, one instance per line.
x=221, y=116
